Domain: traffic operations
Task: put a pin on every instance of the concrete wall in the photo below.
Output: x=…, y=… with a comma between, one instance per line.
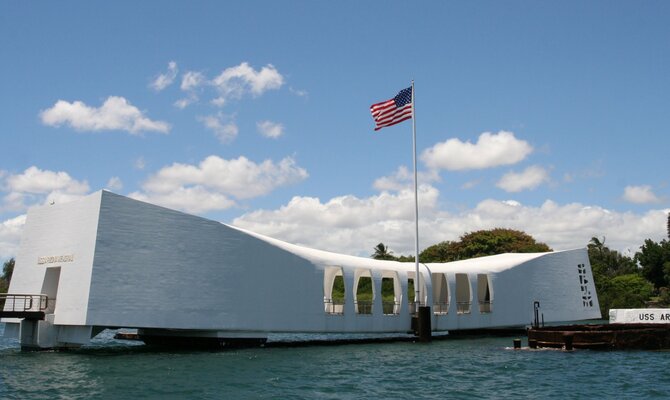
x=159, y=268
x=59, y=235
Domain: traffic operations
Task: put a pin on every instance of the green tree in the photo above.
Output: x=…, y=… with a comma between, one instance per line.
x=7, y=271
x=669, y=226
x=441, y=252
x=613, y=277
x=608, y=262
x=624, y=291
x=382, y=252
x=655, y=261
x=483, y=243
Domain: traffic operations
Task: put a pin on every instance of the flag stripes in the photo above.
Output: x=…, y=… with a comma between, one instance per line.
x=393, y=111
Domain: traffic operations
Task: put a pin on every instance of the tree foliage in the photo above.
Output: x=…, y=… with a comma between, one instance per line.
x=624, y=291
x=382, y=252
x=483, y=243
x=608, y=262
x=655, y=261
x=7, y=271
x=609, y=268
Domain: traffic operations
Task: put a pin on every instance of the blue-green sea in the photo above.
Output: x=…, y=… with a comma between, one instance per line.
x=472, y=368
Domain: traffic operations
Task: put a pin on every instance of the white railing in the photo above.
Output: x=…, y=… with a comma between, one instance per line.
x=463, y=307
x=441, y=307
x=333, y=306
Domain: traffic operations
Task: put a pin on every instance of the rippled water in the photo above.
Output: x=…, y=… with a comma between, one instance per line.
x=471, y=368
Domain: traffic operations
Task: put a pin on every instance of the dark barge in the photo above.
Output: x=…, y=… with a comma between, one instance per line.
x=618, y=336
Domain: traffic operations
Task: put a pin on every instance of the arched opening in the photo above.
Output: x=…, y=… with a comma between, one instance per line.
x=391, y=293
x=484, y=293
x=364, y=293
x=333, y=290
x=411, y=301
x=463, y=294
x=440, y=293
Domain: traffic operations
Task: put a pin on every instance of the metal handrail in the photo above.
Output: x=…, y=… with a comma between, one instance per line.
x=485, y=307
x=463, y=307
x=334, y=306
x=363, y=306
x=441, y=307
x=390, y=307
x=23, y=302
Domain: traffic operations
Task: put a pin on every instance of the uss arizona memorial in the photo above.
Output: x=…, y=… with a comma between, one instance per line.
x=108, y=261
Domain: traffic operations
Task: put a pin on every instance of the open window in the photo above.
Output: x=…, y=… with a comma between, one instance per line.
x=391, y=293
x=333, y=290
x=463, y=294
x=440, y=293
x=484, y=293
x=364, y=293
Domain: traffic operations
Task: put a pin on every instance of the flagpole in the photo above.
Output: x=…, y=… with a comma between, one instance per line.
x=417, y=281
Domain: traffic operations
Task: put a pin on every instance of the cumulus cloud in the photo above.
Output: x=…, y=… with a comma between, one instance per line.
x=346, y=224
x=10, y=236
x=35, y=186
x=194, y=199
x=491, y=150
x=234, y=82
x=530, y=178
x=116, y=113
x=140, y=163
x=403, y=178
x=165, y=79
x=210, y=184
x=114, y=183
x=270, y=129
x=352, y=225
x=224, y=128
x=192, y=80
x=640, y=195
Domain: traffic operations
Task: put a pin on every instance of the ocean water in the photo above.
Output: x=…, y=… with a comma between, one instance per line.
x=472, y=368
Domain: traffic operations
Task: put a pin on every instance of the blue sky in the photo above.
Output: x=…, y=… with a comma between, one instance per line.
x=551, y=118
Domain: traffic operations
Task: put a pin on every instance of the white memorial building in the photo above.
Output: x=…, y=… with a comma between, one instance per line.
x=108, y=261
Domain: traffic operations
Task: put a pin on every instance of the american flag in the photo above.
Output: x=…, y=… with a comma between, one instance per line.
x=393, y=111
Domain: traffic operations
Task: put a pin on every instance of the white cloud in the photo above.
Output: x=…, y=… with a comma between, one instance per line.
x=298, y=92
x=10, y=236
x=192, y=80
x=35, y=186
x=164, y=80
x=346, y=224
x=114, y=183
x=210, y=184
x=530, y=178
x=234, y=82
x=224, y=127
x=185, y=102
x=116, y=113
x=352, y=225
x=470, y=184
x=270, y=129
x=491, y=150
x=195, y=199
x=140, y=163
x=403, y=178
x=640, y=195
